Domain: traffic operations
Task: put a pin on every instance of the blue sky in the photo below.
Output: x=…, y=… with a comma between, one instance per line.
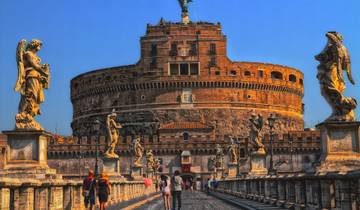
x=82, y=35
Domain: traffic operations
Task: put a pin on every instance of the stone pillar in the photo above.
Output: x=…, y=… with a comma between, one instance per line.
x=41, y=198
x=78, y=200
x=26, y=198
x=67, y=196
x=340, y=147
x=327, y=194
x=56, y=198
x=300, y=194
x=344, y=190
x=267, y=191
x=4, y=198
x=281, y=193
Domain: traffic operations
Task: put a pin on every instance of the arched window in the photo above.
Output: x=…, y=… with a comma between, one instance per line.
x=276, y=75
x=247, y=73
x=186, y=136
x=301, y=81
x=233, y=73
x=292, y=78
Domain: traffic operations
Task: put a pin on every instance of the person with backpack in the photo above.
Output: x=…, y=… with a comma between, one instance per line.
x=165, y=190
x=176, y=188
x=103, y=190
x=89, y=187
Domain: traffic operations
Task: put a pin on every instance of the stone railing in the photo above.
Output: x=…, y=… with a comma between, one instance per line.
x=61, y=194
x=330, y=191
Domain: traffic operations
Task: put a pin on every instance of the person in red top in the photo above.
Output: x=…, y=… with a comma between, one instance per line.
x=89, y=187
x=104, y=189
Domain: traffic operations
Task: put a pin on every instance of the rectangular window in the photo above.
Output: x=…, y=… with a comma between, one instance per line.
x=261, y=73
x=212, y=49
x=153, y=50
x=184, y=69
x=193, y=50
x=174, y=69
x=194, y=69
x=212, y=62
x=242, y=153
x=173, y=50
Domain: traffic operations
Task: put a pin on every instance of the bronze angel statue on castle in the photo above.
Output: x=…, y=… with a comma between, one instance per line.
x=333, y=60
x=33, y=78
x=184, y=5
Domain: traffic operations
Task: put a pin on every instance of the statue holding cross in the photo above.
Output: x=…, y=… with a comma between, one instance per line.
x=184, y=5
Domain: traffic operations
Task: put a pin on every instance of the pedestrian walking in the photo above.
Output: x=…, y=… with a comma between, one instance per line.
x=176, y=188
x=208, y=185
x=89, y=186
x=165, y=189
x=104, y=189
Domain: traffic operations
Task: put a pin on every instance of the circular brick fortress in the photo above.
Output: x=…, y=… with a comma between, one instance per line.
x=184, y=75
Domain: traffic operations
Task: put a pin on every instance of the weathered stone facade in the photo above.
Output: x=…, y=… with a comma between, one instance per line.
x=184, y=75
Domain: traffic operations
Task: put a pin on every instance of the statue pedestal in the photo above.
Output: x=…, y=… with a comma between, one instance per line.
x=258, y=164
x=232, y=170
x=340, y=150
x=219, y=173
x=137, y=172
x=111, y=166
x=150, y=173
x=27, y=155
x=185, y=19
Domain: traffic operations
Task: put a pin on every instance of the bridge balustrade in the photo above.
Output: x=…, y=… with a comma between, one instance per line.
x=61, y=194
x=328, y=191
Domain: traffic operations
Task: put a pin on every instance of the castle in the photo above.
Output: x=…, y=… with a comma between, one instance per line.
x=183, y=97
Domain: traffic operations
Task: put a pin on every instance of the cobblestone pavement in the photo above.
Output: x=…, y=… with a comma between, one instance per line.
x=192, y=201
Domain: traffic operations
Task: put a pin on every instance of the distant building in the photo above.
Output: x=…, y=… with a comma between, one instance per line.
x=184, y=96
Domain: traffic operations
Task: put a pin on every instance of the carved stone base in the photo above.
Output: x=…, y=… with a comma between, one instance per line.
x=258, y=165
x=27, y=155
x=137, y=172
x=150, y=173
x=232, y=170
x=185, y=19
x=219, y=173
x=340, y=151
x=111, y=166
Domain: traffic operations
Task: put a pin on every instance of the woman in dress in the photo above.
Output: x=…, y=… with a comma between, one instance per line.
x=103, y=190
x=165, y=189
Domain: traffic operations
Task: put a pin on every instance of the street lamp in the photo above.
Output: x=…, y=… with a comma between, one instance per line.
x=96, y=128
x=271, y=121
x=291, y=152
x=238, y=160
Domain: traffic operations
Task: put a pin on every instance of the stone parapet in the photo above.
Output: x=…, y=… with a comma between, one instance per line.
x=327, y=191
x=28, y=194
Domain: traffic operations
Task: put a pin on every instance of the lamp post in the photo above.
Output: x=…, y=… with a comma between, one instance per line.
x=271, y=121
x=238, y=158
x=96, y=128
x=291, y=152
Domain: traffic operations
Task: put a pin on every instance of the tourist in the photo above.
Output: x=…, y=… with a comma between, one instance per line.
x=89, y=186
x=176, y=188
x=165, y=189
x=103, y=190
x=208, y=185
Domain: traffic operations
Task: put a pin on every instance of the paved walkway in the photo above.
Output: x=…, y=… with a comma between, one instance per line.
x=244, y=203
x=193, y=201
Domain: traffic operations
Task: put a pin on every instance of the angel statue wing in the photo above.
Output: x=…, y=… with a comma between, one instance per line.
x=260, y=121
x=347, y=65
x=20, y=83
